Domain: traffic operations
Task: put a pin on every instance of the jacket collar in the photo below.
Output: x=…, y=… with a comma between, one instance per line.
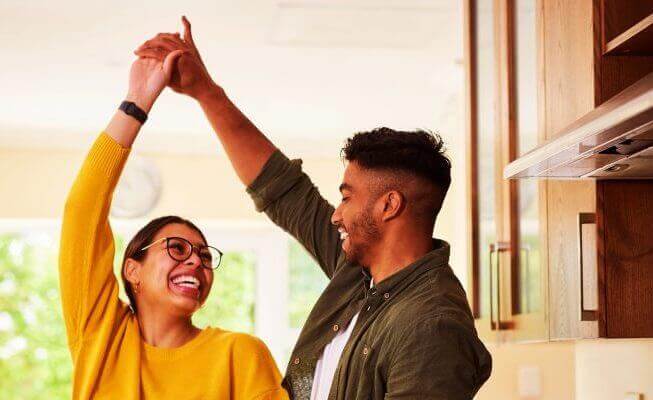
x=434, y=258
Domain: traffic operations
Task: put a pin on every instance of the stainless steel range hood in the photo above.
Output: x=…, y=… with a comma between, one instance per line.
x=614, y=141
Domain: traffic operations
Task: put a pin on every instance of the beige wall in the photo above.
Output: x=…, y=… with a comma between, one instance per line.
x=608, y=369
x=34, y=184
x=547, y=369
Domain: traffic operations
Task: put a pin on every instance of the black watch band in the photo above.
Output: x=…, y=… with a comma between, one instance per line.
x=133, y=110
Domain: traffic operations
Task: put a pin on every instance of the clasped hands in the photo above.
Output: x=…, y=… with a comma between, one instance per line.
x=169, y=60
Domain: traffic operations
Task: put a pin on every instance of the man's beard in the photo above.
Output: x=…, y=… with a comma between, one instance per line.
x=363, y=233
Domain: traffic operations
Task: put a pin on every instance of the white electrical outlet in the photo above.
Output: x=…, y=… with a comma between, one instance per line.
x=529, y=382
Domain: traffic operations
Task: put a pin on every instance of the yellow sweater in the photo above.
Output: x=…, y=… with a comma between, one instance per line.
x=111, y=361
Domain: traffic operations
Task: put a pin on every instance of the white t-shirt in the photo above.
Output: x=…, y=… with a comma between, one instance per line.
x=326, y=366
x=328, y=363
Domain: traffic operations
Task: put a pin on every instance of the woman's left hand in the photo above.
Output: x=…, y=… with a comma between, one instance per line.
x=148, y=77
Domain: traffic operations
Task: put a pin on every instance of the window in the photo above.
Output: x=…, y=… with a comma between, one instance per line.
x=307, y=281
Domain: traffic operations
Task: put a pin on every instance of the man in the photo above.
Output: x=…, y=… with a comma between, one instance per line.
x=394, y=322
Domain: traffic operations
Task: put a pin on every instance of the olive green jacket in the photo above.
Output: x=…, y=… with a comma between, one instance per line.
x=415, y=335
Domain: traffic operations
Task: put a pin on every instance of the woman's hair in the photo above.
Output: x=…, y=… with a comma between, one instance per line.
x=143, y=238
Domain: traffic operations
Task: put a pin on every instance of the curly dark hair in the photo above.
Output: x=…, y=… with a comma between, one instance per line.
x=418, y=153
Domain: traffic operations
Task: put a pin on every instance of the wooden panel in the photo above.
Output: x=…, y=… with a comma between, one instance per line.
x=506, y=150
x=620, y=15
x=543, y=186
x=565, y=201
x=614, y=73
x=619, y=72
x=637, y=40
x=626, y=256
x=469, y=40
x=482, y=322
x=569, y=93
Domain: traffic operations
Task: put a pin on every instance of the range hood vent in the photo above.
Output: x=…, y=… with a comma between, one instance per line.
x=614, y=141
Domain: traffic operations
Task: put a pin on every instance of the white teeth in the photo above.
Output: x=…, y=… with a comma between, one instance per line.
x=343, y=234
x=186, y=281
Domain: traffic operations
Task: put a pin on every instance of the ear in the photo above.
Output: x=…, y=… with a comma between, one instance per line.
x=393, y=204
x=132, y=271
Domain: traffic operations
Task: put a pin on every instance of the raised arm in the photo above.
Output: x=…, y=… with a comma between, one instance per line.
x=89, y=290
x=278, y=186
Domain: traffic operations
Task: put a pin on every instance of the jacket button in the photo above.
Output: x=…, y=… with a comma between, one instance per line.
x=335, y=328
x=296, y=361
x=366, y=350
x=386, y=296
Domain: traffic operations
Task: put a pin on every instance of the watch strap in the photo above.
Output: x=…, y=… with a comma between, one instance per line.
x=131, y=109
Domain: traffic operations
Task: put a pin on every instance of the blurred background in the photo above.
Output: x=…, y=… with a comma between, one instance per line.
x=309, y=73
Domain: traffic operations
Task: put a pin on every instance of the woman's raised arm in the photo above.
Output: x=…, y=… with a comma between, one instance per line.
x=89, y=289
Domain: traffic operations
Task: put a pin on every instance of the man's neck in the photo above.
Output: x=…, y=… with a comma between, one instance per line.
x=392, y=255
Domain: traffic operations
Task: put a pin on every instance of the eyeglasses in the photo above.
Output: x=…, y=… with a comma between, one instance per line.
x=180, y=249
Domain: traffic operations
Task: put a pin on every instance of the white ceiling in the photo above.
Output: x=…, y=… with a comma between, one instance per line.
x=308, y=73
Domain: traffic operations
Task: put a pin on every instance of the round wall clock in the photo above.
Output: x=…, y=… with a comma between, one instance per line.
x=138, y=190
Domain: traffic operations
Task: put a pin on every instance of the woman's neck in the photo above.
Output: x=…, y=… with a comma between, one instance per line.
x=166, y=331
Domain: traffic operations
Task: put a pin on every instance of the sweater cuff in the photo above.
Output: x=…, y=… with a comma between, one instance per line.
x=107, y=157
x=278, y=176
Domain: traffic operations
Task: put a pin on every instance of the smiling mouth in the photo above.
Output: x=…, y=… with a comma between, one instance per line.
x=343, y=234
x=186, y=285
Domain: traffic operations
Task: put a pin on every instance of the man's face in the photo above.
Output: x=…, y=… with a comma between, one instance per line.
x=355, y=216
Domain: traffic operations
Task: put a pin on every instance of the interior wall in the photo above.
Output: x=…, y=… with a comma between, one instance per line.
x=34, y=184
x=608, y=369
x=538, y=371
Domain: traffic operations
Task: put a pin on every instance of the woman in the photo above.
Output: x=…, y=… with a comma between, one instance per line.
x=151, y=350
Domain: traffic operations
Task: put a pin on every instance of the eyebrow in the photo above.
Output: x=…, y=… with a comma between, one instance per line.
x=345, y=186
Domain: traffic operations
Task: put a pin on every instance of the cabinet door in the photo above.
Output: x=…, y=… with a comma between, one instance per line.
x=528, y=278
x=569, y=91
x=507, y=284
x=481, y=131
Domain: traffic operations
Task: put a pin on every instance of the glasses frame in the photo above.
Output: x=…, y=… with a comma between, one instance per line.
x=194, y=249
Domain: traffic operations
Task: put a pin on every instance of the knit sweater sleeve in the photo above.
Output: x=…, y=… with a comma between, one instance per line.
x=89, y=289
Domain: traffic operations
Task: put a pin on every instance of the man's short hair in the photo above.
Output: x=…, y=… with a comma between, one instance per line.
x=419, y=154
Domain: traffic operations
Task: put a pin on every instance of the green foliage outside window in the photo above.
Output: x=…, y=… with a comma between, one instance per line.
x=307, y=281
x=34, y=358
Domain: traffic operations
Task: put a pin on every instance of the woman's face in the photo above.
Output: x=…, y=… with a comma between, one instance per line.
x=178, y=286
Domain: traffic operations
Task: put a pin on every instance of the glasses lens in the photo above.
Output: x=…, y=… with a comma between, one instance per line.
x=179, y=249
x=211, y=257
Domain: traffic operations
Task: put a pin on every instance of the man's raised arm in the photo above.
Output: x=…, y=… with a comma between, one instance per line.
x=277, y=185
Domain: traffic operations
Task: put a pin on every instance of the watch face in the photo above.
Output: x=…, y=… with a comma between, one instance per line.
x=138, y=190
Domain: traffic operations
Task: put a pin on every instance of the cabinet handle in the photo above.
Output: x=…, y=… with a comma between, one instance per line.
x=497, y=247
x=584, y=219
x=526, y=249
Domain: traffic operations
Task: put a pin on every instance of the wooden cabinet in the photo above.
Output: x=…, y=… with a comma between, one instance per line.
x=599, y=241
x=554, y=259
x=507, y=286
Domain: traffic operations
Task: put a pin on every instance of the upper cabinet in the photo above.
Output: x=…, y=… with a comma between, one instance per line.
x=560, y=90
x=615, y=139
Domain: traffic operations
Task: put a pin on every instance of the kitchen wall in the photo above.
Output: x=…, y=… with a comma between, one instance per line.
x=34, y=184
x=608, y=369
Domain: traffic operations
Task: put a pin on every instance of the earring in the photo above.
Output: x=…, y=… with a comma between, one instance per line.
x=137, y=287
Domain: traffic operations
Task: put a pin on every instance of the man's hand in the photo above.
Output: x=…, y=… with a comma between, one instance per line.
x=190, y=77
x=148, y=77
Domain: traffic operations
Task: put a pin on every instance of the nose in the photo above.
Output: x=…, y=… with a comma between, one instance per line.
x=194, y=258
x=336, y=217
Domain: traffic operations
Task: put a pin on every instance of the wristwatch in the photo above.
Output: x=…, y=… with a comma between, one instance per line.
x=131, y=109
